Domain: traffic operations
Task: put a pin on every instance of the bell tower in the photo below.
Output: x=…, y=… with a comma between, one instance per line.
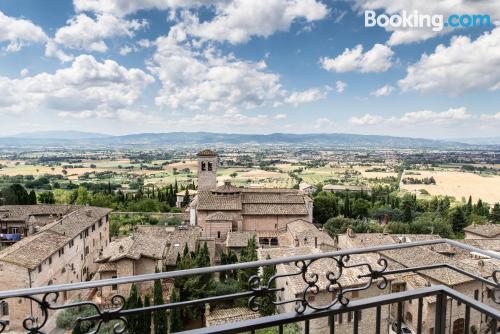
x=207, y=170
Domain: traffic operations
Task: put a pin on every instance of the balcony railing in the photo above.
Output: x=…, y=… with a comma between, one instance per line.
x=305, y=310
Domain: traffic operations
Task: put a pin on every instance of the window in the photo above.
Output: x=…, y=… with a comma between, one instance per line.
x=218, y=234
x=4, y=309
x=86, y=250
x=476, y=294
x=100, y=236
x=50, y=259
x=40, y=268
x=93, y=228
x=71, y=243
x=209, y=166
x=87, y=232
x=81, y=235
x=61, y=252
x=100, y=223
x=203, y=165
x=114, y=286
x=459, y=303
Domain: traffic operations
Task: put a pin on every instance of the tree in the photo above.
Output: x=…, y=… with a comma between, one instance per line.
x=175, y=314
x=325, y=207
x=248, y=254
x=160, y=317
x=267, y=306
x=495, y=214
x=146, y=326
x=46, y=197
x=360, y=208
x=134, y=320
x=186, y=200
x=32, y=197
x=457, y=219
x=15, y=194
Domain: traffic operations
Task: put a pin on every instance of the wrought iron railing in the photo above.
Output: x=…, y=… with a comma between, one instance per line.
x=305, y=310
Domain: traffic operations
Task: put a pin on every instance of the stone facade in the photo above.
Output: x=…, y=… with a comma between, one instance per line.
x=51, y=257
x=207, y=170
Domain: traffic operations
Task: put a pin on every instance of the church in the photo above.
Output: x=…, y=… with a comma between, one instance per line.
x=221, y=209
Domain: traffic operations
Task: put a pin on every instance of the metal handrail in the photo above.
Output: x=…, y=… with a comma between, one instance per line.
x=237, y=266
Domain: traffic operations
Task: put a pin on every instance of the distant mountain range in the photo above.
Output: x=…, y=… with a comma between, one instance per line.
x=72, y=139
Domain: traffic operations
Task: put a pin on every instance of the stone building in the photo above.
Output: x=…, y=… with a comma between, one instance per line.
x=62, y=251
x=20, y=221
x=226, y=208
x=486, y=231
x=428, y=255
x=150, y=247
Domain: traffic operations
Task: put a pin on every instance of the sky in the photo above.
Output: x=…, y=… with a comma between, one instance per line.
x=246, y=66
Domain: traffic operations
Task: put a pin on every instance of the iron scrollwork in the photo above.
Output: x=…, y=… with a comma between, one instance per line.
x=311, y=280
x=49, y=302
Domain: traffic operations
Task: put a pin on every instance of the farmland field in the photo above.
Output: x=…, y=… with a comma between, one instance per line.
x=460, y=184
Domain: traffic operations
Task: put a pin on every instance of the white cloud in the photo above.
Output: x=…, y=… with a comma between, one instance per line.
x=309, y=95
x=125, y=7
x=385, y=90
x=280, y=116
x=462, y=66
x=450, y=116
x=426, y=116
x=487, y=117
x=431, y=7
x=366, y=119
x=196, y=76
x=24, y=72
x=340, y=86
x=85, y=33
x=377, y=59
x=238, y=20
x=324, y=123
x=103, y=87
x=493, y=117
x=19, y=33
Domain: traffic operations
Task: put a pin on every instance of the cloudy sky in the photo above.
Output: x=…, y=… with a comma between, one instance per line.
x=246, y=66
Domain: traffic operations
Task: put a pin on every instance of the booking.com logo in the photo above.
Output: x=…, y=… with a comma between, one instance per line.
x=417, y=20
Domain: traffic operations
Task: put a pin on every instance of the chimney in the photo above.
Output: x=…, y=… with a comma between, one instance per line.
x=88, y=212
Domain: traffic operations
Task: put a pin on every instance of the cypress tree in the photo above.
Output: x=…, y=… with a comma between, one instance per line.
x=160, y=318
x=131, y=303
x=175, y=314
x=147, y=316
x=266, y=303
x=32, y=197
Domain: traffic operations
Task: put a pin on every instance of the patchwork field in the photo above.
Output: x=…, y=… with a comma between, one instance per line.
x=460, y=184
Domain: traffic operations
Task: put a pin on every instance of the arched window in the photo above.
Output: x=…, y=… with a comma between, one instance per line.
x=209, y=166
x=203, y=166
x=459, y=326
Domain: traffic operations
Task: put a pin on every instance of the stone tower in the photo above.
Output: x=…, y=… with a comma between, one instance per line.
x=207, y=170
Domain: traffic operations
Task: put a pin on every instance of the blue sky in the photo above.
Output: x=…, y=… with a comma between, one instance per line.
x=246, y=66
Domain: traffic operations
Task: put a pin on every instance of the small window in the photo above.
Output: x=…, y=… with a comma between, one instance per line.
x=209, y=166
x=86, y=250
x=40, y=268
x=114, y=286
x=61, y=252
x=93, y=228
x=4, y=309
x=50, y=259
x=476, y=294
x=218, y=234
x=71, y=243
x=203, y=165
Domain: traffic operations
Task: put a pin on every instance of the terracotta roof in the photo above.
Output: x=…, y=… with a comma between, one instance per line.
x=33, y=250
x=272, y=198
x=238, y=239
x=230, y=315
x=211, y=202
x=486, y=244
x=486, y=230
x=342, y=187
x=226, y=188
x=24, y=212
x=419, y=256
x=207, y=153
x=134, y=247
x=107, y=267
x=306, y=232
x=75, y=222
x=219, y=216
x=275, y=209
